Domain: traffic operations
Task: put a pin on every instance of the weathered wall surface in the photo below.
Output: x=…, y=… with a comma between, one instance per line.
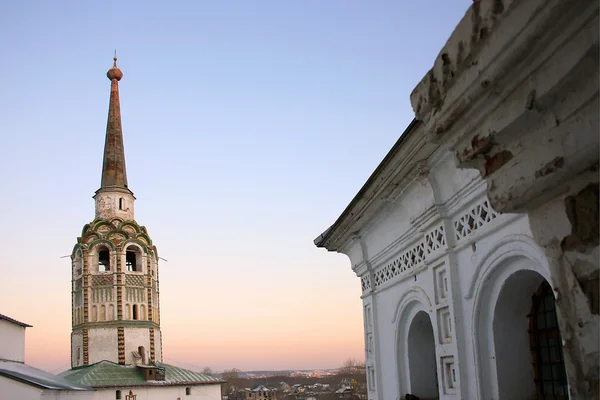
x=514, y=94
x=103, y=345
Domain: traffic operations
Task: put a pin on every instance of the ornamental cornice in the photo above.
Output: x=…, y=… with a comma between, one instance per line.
x=116, y=232
x=117, y=324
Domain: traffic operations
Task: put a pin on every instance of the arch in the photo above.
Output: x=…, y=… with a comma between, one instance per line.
x=116, y=222
x=412, y=302
x=131, y=224
x=127, y=311
x=94, y=245
x=129, y=242
x=94, y=313
x=508, y=247
x=77, y=261
x=502, y=285
x=102, y=312
x=111, y=312
x=134, y=260
x=134, y=310
x=101, y=223
x=421, y=357
x=103, y=258
x=142, y=312
x=144, y=236
x=85, y=229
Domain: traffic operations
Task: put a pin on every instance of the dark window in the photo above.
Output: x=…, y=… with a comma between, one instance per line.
x=121, y=203
x=188, y=391
x=135, y=311
x=103, y=260
x=130, y=260
x=118, y=395
x=546, y=346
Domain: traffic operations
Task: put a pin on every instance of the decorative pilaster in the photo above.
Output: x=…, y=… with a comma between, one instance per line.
x=86, y=357
x=121, y=344
x=149, y=287
x=85, y=289
x=152, y=349
x=120, y=283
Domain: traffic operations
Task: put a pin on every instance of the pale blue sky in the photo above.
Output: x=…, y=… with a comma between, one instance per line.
x=249, y=126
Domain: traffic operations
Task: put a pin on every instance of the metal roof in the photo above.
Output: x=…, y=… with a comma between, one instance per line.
x=14, y=321
x=36, y=377
x=109, y=374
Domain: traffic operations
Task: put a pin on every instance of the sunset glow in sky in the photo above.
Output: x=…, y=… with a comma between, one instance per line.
x=248, y=127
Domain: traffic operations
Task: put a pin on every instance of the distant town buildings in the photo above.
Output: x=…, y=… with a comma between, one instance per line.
x=261, y=393
x=476, y=238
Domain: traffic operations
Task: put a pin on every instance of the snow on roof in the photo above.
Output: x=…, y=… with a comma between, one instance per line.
x=37, y=377
x=14, y=321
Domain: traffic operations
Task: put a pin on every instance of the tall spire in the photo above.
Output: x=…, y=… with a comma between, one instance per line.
x=113, y=166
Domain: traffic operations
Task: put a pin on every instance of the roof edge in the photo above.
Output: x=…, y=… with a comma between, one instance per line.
x=14, y=321
x=321, y=239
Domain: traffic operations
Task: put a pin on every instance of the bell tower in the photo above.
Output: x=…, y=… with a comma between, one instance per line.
x=115, y=292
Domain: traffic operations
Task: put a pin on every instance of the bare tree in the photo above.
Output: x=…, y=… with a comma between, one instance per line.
x=352, y=366
x=207, y=371
x=231, y=376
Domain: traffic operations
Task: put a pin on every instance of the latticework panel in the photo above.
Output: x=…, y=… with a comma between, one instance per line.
x=478, y=216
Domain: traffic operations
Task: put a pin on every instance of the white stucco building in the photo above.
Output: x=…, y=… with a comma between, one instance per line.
x=476, y=238
x=24, y=382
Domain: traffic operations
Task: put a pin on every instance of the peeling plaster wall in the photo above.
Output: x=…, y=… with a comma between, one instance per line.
x=107, y=205
x=135, y=337
x=509, y=199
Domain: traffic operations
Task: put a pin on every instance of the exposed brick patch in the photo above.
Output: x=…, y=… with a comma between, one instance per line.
x=121, y=344
x=591, y=289
x=551, y=167
x=582, y=211
x=478, y=146
x=496, y=161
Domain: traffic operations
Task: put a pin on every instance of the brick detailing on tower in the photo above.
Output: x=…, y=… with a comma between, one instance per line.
x=86, y=357
x=119, y=285
x=85, y=289
x=152, y=349
x=121, y=344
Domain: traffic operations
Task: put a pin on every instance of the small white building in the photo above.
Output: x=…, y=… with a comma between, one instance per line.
x=21, y=381
x=476, y=238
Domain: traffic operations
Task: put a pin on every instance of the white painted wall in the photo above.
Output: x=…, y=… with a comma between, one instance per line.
x=12, y=341
x=12, y=389
x=204, y=392
x=445, y=287
x=103, y=345
x=135, y=337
